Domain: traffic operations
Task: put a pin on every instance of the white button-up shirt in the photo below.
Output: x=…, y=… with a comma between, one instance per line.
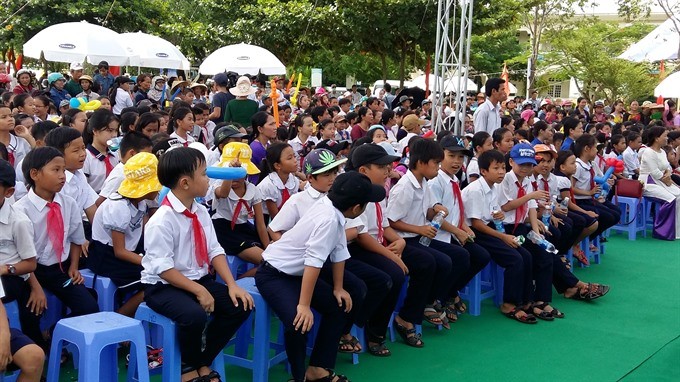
x=113, y=181
x=224, y=207
x=582, y=178
x=479, y=198
x=16, y=236
x=169, y=242
x=441, y=191
x=313, y=240
x=368, y=221
x=272, y=187
x=36, y=209
x=295, y=208
x=409, y=202
x=487, y=117
x=508, y=192
x=76, y=187
x=120, y=215
x=95, y=169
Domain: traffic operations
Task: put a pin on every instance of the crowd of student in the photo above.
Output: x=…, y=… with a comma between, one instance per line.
x=335, y=213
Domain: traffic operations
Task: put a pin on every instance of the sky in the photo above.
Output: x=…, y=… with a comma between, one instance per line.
x=610, y=7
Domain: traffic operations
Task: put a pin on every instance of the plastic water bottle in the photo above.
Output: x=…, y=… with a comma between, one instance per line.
x=436, y=223
x=547, y=212
x=114, y=143
x=541, y=242
x=497, y=222
x=565, y=203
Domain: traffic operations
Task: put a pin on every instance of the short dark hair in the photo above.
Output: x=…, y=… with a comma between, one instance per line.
x=387, y=87
x=127, y=120
x=479, y=138
x=632, y=135
x=317, y=112
x=134, y=140
x=562, y=157
x=40, y=129
x=488, y=157
x=493, y=84
x=178, y=162
x=147, y=119
x=344, y=101
x=424, y=150
x=569, y=123
x=37, y=159
x=652, y=134
x=61, y=137
x=539, y=126
x=585, y=140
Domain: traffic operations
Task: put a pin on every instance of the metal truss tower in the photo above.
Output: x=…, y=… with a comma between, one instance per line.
x=452, y=58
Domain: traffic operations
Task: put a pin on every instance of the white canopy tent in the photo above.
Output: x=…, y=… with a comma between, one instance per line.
x=513, y=88
x=669, y=87
x=663, y=43
x=78, y=42
x=242, y=59
x=153, y=52
x=450, y=84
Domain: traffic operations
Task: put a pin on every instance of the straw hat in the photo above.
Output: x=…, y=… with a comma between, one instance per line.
x=177, y=83
x=140, y=176
x=242, y=152
x=243, y=87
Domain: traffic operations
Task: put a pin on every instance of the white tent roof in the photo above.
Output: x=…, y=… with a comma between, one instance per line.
x=450, y=84
x=669, y=87
x=513, y=88
x=663, y=43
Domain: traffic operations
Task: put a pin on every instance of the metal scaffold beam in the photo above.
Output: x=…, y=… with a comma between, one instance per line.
x=452, y=59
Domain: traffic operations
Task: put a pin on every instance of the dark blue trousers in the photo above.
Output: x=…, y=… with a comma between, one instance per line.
x=609, y=214
x=75, y=297
x=282, y=293
x=542, y=263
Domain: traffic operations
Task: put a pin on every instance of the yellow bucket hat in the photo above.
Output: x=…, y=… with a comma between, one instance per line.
x=242, y=152
x=140, y=176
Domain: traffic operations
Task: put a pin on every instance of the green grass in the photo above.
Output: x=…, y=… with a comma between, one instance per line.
x=631, y=334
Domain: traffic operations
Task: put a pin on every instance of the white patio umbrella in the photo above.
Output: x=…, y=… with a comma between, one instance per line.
x=450, y=84
x=669, y=87
x=78, y=41
x=242, y=59
x=153, y=52
x=513, y=88
x=663, y=43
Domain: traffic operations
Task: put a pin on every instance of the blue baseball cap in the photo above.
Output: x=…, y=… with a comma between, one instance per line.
x=523, y=153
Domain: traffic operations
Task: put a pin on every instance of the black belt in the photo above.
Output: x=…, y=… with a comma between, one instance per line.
x=269, y=266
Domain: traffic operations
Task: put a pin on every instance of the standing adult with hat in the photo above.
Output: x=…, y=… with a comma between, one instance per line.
x=73, y=86
x=120, y=95
x=221, y=98
x=241, y=109
x=56, y=82
x=103, y=78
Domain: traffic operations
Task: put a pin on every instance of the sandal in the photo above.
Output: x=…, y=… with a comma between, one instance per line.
x=344, y=343
x=581, y=257
x=526, y=319
x=460, y=306
x=408, y=335
x=543, y=315
x=379, y=349
x=330, y=377
x=590, y=292
x=451, y=311
x=432, y=316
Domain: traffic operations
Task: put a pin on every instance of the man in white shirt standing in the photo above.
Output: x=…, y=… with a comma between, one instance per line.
x=488, y=115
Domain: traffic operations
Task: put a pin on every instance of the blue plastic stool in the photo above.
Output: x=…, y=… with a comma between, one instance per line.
x=105, y=288
x=593, y=256
x=96, y=336
x=632, y=210
x=649, y=205
x=261, y=318
x=497, y=278
x=478, y=289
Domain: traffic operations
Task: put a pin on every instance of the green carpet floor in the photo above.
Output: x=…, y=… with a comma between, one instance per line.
x=632, y=334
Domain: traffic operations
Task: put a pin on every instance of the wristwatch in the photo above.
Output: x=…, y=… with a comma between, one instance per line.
x=11, y=269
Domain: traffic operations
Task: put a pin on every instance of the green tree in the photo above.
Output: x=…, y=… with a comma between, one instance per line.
x=598, y=72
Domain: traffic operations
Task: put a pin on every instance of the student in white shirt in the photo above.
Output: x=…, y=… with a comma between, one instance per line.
x=18, y=257
x=289, y=278
x=409, y=210
x=181, y=125
x=132, y=144
x=280, y=183
x=235, y=203
x=630, y=154
x=17, y=147
x=58, y=250
x=116, y=248
x=180, y=244
x=100, y=161
x=70, y=143
x=301, y=137
x=585, y=187
x=485, y=216
x=481, y=142
x=445, y=188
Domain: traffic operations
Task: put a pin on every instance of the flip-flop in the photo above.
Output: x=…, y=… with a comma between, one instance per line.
x=526, y=319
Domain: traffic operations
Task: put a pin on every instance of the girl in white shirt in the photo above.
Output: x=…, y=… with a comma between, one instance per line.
x=99, y=161
x=655, y=172
x=301, y=139
x=120, y=95
x=181, y=124
x=116, y=248
x=481, y=142
x=277, y=186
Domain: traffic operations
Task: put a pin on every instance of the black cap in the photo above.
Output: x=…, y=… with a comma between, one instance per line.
x=452, y=143
x=333, y=145
x=226, y=132
x=124, y=79
x=352, y=188
x=370, y=153
x=7, y=174
x=162, y=146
